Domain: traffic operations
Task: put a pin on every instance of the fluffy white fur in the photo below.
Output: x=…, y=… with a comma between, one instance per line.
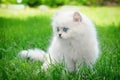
x=76, y=46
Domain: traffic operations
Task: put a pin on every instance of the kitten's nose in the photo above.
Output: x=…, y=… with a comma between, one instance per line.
x=60, y=35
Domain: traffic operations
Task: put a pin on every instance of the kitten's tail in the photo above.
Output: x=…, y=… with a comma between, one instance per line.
x=35, y=54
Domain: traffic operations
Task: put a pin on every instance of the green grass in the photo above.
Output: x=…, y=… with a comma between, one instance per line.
x=31, y=29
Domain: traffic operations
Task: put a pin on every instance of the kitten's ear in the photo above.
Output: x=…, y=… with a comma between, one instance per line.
x=77, y=17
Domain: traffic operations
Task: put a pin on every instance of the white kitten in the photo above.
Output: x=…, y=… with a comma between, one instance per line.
x=74, y=42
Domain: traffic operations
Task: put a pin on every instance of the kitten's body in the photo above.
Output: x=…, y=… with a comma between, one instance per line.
x=75, y=45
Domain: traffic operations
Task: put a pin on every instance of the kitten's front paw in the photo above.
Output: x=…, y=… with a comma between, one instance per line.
x=45, y=66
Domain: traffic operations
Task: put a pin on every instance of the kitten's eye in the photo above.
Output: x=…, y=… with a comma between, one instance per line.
x=65, y=29
x=58, y=29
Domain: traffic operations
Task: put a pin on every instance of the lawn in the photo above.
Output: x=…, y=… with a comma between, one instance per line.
x=24, y=29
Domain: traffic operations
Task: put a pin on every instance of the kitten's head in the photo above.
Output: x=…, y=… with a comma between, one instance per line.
x=65, y=24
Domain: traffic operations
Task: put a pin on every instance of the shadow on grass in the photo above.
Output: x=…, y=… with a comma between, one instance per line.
x=32, y=32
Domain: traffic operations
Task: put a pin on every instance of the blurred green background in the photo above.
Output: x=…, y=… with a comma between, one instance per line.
x=55, y=3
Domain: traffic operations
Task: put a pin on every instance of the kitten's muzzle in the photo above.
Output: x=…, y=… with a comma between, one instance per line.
x=60, y=35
